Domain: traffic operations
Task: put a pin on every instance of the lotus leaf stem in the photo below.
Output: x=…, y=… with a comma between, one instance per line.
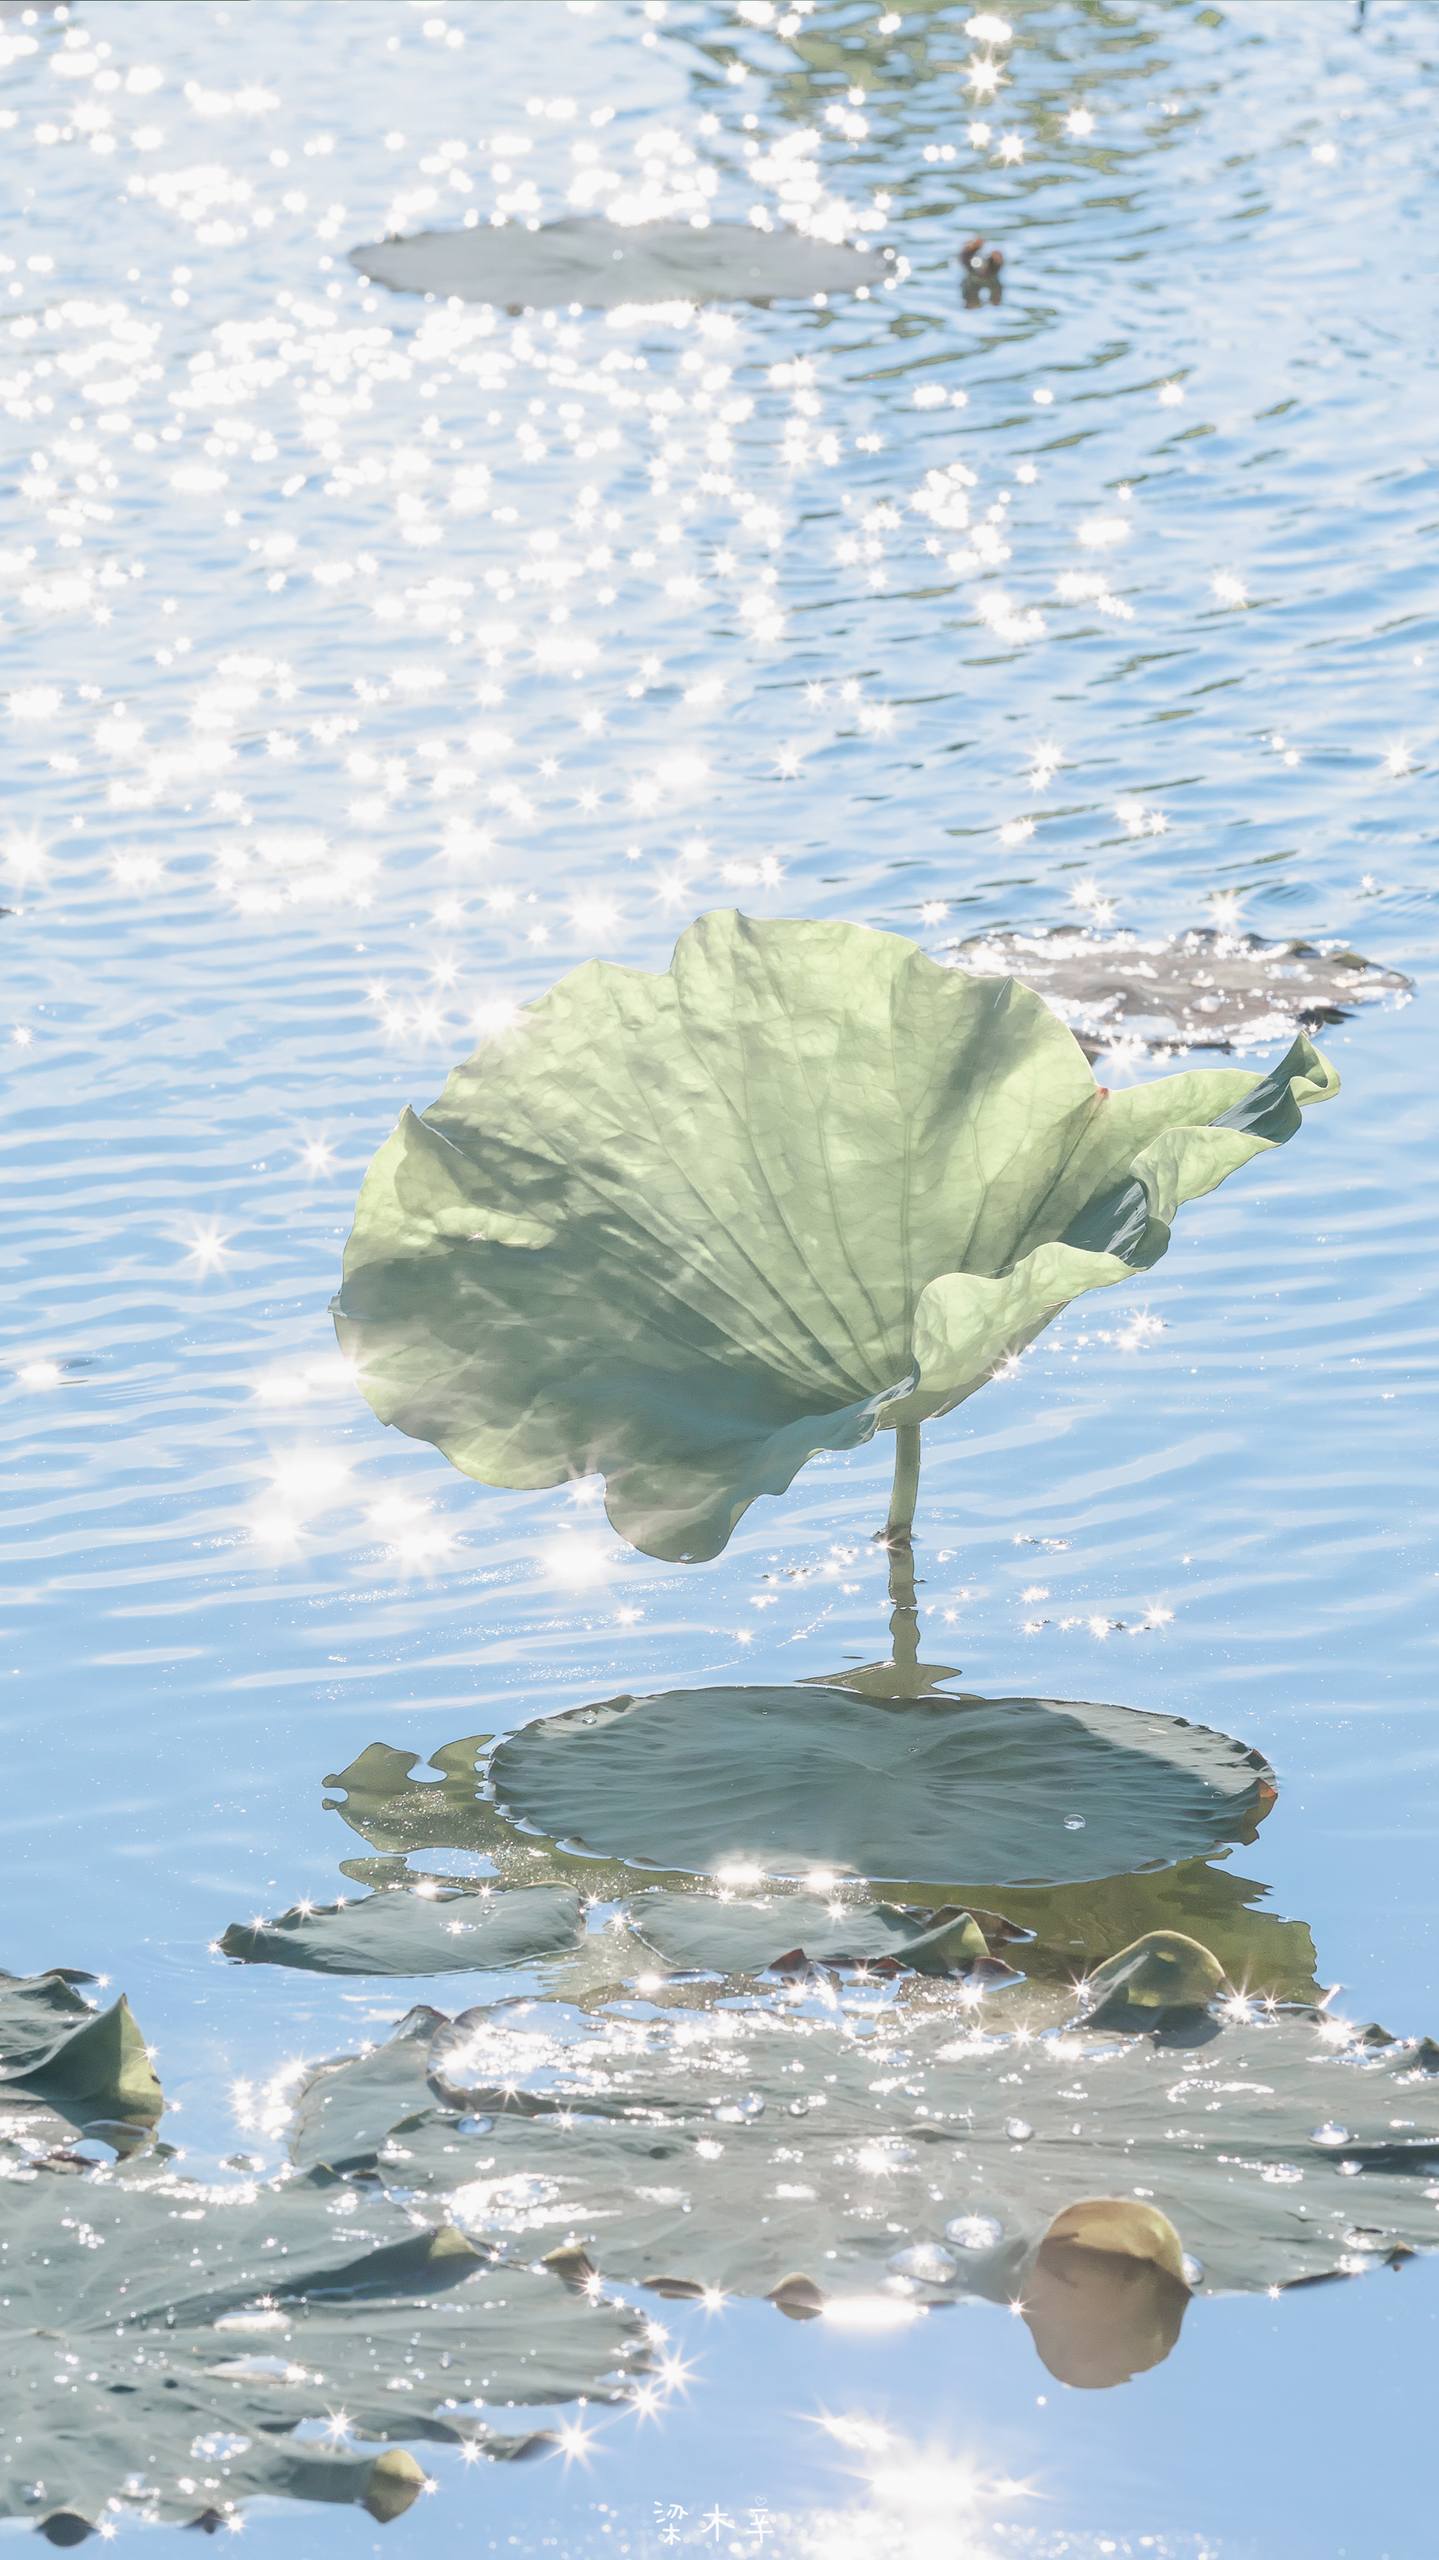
x=899, y=1539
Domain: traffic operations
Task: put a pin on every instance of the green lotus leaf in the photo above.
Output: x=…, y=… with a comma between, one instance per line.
x=704, y=1932
x=1069, y=1926
x=66, y=2068
x=998, y=1791
x=347, y=2108
x=397, y=1812
x=1163, y=1975
x=737, y=2147
x=162, y=2339
x=684, y=1230
x=426, y=1930
x=585, y=259
x=1075, y=1926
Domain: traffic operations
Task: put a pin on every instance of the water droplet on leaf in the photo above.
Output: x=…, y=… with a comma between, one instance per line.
x=926, y=2262
x=974, y=2231
x=738, y=2110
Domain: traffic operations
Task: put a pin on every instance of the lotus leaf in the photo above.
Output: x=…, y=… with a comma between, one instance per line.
x=423, y=1931
x=607, y=264
x=994, y=1791
x=68, y=2068
x=1197, y=990
x=397, y=1812
x=1075, y=1926
x=162, y=2339
x=1069, y=1926
x=1163, y=1975
x=736, y=2148
x=346, y=2108
x=685, y=1230
x=714, y=1934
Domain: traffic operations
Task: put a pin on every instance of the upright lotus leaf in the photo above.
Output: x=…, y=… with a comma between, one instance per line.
x=585, y=259
x=162, y=2340
x=738, y=2147
x=993, y=1791
x=66, y=2068
x=684, y=1230
x=426, y=1930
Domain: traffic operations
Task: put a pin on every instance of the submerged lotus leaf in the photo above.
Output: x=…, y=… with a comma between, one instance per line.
x=162, y=2339
x=702, y=1932
x=1199, y=990
x=684, y=1230
x=995, y=1791
x=735, y=2148
x=426, y=1930
x=1163, y=1975
x=66, y=2068
x=607, y=264
x=397, y=1812
x=1076, y=1926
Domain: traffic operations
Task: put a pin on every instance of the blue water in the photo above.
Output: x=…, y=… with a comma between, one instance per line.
x=367, y=663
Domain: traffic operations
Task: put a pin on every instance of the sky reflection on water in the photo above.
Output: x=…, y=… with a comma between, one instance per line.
x=367, y=663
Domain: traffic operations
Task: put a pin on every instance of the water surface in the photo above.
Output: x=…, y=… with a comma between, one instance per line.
x=367, y=663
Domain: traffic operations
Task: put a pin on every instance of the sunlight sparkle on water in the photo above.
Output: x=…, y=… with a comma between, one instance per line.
x=40, y=1373
x=578, y=1562
x=207, y=1248
x=872, y=2311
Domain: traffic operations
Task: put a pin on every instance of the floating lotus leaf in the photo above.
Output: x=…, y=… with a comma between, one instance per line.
x=736, y=2148
x=346, y=2108
x=997, y=1791
x=66, y=2068
x=704, y=1932
x=607, y=264
x=1072, y=1926
x=684, y=1230
x=1198, y=990
x=422, y=1931
x=162, y=2339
